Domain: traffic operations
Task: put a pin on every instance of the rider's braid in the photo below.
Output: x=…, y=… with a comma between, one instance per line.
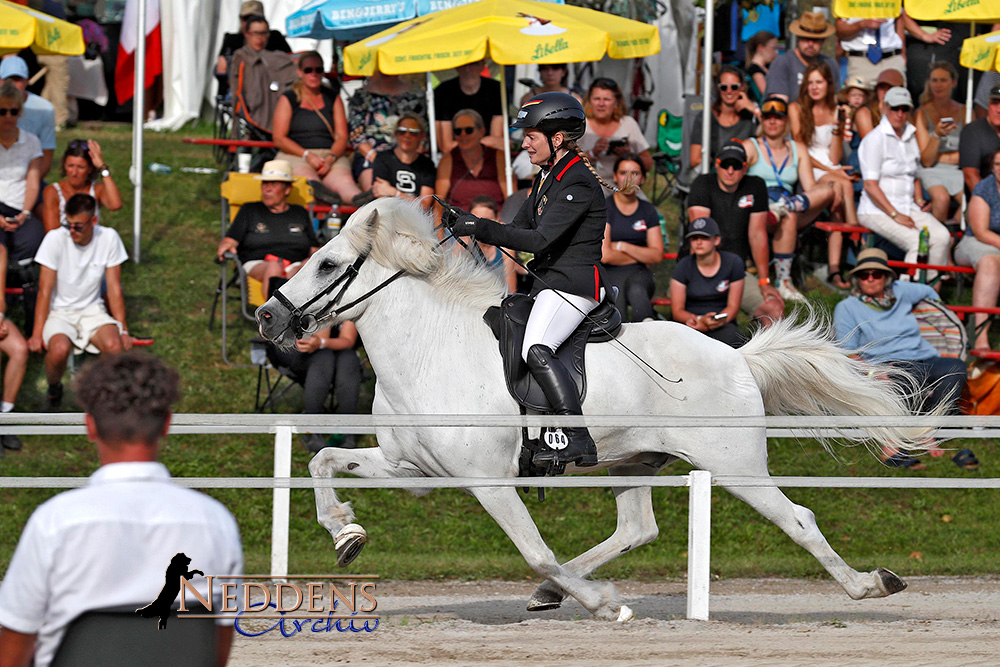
x=573, y=146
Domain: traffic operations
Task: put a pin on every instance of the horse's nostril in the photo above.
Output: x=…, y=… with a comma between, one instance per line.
x=266, y=315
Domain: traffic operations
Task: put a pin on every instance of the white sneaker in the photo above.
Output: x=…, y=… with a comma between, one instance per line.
x=788, y=291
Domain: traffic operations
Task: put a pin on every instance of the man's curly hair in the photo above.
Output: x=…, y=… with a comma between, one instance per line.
x=129, y=396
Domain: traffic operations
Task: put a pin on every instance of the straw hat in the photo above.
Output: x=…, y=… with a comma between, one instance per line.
x=813, y=25
x=276, y=170
x=872, y=258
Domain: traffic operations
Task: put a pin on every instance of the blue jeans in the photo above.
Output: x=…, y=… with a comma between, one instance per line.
x=944, y=376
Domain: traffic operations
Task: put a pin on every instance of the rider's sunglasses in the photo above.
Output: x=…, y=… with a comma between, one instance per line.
x=468, y=129
x=410, y=130
x=726, y=87
x=13, y=112
x=870, y=274
x=312, y=70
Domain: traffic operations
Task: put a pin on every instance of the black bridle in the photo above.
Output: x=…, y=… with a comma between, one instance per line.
x=300, y=322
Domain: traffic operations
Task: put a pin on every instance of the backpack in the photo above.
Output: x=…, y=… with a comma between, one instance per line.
x=981, y=395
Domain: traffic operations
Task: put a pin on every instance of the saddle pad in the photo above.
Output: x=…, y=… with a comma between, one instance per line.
x=508, y=322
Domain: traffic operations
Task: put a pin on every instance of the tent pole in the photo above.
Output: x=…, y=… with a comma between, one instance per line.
x=968, y=119
x=138, y=111
x=506, y=132
x=706, y=88
x=432, y=119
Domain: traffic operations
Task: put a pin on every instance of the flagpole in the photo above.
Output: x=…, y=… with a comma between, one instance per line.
x=138, y=113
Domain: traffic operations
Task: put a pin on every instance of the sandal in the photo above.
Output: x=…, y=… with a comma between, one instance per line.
x=835, y=279
x=902, y=460
x=966, y=460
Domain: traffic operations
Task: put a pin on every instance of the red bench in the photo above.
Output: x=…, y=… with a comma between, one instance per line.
x=231, y=144
x=854, y=231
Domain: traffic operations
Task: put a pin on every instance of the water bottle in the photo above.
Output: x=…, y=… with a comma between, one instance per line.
x=663, y=230
x=923, y=249
x=158, y=168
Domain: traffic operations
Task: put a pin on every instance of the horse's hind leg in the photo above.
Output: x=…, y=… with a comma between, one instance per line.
x=507, y=509
x=336, y=516
x=636, y=527
x=800, y=524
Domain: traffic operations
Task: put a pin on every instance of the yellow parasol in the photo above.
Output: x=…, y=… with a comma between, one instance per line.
x=509, y=32
x=974, y=11
x=46, y=35
x=867, y=9
x=982, y=52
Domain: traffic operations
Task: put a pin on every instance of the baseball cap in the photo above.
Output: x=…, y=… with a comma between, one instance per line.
x=898, y=97
x=251, y=7
x=13, y=66
x=703, y=227
x=995, y=93
x=890, y=77
x=732, y=151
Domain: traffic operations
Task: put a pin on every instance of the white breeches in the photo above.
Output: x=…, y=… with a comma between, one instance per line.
x=553, y=318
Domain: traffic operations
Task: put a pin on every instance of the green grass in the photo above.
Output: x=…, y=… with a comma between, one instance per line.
x=447, y=534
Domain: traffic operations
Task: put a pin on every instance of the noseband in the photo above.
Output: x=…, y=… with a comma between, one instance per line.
x=299, y=322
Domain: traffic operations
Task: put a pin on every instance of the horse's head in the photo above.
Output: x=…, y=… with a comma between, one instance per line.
x=380, y=239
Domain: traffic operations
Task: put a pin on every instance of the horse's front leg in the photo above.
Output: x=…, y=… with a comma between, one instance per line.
x=507, y=509
x=636, y=527
x=336, y=516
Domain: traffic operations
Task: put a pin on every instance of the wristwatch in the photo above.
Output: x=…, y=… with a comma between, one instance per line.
x=105, y=171
x=894, y=214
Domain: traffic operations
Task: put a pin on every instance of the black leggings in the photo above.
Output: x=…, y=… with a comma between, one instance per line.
x=24, y=241
x=635, y=288
x=323, y=372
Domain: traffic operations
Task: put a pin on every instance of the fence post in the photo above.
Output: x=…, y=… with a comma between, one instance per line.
x=699, y=543
x=282, y=502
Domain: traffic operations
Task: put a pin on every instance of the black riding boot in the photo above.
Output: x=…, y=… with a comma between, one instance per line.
x=560, y=390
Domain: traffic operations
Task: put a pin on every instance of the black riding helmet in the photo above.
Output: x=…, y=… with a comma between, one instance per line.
x=550, y=113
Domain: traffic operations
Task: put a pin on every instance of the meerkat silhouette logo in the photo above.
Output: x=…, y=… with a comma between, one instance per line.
x=171, y=587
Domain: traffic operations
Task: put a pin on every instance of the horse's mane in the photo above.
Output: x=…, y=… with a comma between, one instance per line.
x=404, y=239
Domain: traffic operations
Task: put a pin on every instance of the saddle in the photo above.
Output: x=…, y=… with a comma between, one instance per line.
x=508, y=321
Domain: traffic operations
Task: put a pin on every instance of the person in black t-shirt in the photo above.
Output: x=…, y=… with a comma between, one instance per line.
x=405, y=171
x=272, y=238
x=632, y=241
x=234, y=41
x=469, y=90
x=739, y=204
x=707, y=285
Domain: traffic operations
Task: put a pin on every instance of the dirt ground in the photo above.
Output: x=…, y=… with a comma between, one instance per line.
x=936, y=621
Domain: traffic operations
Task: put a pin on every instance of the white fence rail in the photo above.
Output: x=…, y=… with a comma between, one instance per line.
x=699, y=482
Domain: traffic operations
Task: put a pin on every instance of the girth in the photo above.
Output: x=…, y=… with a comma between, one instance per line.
x=508, y=322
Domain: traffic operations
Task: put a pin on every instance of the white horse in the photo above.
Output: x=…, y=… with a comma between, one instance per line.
x=432, y=353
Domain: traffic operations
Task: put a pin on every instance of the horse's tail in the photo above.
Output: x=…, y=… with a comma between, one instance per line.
x=800, y=370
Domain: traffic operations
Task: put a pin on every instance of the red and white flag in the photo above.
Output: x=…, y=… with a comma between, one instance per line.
x=125, y=65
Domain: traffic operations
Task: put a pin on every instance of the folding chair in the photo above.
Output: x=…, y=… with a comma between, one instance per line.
x=238, y=189
x=119, y=638
x=667, y=160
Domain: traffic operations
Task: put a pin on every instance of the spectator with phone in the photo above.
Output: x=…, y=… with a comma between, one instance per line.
x=20, y=178
x=707, y=285
x=734, y=115
x=939, y=121
x=611, y=132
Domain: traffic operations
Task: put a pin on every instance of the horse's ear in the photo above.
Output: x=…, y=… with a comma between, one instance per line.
x=371, y=222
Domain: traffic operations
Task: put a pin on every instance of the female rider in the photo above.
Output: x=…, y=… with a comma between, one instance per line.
x=562, y=222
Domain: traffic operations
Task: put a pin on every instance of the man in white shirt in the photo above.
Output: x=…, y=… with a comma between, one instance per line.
x=70, y=313
x=872, y=45
x=892, y=203
x=107, y=545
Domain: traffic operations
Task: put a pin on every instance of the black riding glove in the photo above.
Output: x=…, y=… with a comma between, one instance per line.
x=464, y=224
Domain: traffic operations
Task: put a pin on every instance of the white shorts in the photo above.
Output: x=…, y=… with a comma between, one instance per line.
x=78, y=325
x=248, y=266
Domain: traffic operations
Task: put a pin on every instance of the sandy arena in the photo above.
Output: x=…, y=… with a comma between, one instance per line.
x=936, y=621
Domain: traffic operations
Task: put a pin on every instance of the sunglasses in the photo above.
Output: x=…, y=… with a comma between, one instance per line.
x=75, y=226
x=603, y=82
x=904, y=109
x=312, y=70
x=79, y=144
x=730, y=164
x=774, y=107
x=726, y=87
x=410, y=130
x=13, y=112
x=542, y=68
x=469, y=129
x=870, y=274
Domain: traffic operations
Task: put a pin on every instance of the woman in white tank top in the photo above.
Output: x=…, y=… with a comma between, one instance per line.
x=82, y=165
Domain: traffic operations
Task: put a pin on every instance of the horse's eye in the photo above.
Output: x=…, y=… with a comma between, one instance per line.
x=327, y=266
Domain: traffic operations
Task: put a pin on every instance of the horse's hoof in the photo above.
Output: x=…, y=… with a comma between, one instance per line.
x=544, y=600
x=889, y=582
x=625, y=614
x=349, y=542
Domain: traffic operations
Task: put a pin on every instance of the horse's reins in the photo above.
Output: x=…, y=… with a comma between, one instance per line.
x=534, y=275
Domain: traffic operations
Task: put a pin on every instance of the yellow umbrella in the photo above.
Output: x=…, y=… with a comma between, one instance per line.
x=982, y=52
x=867, y=9
x=510, y=32
x=46, y=35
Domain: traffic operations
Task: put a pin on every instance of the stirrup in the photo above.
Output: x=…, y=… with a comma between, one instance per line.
x=582, y=455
